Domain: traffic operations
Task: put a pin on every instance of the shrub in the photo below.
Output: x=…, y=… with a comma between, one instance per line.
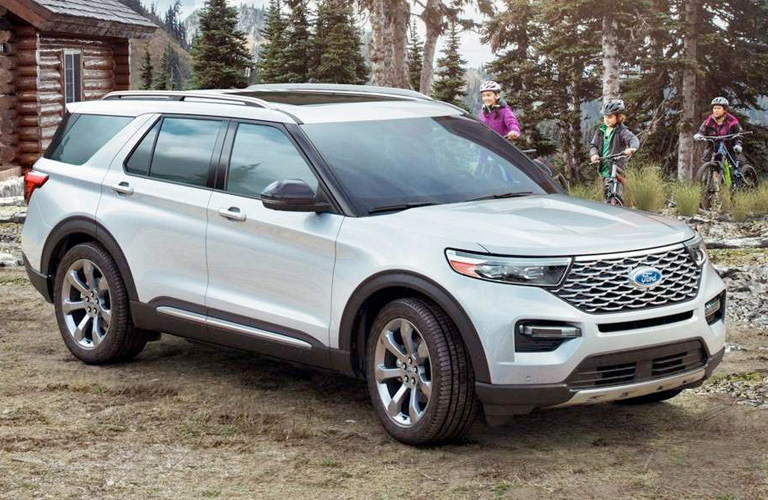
x=687, y=197
x=645, y=189
x=592, y=191
x=761, y=200
x=743, y=205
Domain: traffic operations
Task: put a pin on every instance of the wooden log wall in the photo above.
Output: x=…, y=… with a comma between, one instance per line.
x=25, y=48
x=98, y=76
x=9, y=139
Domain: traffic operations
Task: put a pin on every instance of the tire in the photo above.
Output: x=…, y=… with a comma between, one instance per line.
x=655, y=397
x=98, y=329
x=709, y=185
x=749, y=176
x=439, y=379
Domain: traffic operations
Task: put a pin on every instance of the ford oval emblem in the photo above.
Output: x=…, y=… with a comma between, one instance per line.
x=645, y=277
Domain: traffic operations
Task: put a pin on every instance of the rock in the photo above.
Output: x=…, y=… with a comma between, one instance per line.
x=750, y=242
x=12, y=201
x=12, y=188
x=727, y=272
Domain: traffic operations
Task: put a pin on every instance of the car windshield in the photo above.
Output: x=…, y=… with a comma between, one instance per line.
x=402, y=163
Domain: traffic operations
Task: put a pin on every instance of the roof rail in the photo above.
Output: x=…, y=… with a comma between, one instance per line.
x=188, y=96
x=320, y=88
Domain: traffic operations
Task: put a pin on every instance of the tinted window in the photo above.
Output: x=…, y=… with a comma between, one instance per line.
x=397, y=162
x=84, y=136
x=183, y=150
x=262, y=155
x=139, y=161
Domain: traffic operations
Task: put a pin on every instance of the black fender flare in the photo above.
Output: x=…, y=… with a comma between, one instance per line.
x=431, y=290
x=90, y=227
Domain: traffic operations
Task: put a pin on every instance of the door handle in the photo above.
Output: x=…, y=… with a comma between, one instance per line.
x=232, y=213
x=122, y=188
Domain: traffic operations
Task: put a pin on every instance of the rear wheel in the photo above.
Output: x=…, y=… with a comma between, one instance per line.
x=92, y=307
x=749, y=177
x=420, y=378
x=710, y=179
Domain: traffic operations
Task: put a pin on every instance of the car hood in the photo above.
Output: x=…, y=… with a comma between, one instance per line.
x=545, y=225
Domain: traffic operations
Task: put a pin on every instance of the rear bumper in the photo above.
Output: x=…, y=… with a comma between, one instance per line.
x=501, y=402
x=40, y=281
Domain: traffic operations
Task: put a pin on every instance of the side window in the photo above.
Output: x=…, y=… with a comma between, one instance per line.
x=141, y=157
x=261, y=155
x=73, y=81
x=83, y=136
x=182, y=150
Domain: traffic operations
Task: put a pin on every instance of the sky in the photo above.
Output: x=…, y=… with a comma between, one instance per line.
x=472, y=49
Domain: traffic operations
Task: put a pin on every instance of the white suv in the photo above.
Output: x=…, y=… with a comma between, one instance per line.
x=370, y=231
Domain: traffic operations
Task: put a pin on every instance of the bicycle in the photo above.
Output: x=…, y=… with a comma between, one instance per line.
x=724, y=169
x=613, y=187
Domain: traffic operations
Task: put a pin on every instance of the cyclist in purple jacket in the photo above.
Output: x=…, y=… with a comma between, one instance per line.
x=496, y=113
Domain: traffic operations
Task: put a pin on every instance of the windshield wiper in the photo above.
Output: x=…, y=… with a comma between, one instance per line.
x=503, y=195
x=402, y=206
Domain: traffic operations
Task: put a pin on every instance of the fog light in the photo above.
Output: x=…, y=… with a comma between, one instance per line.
x=714, y=309
x=549, y=331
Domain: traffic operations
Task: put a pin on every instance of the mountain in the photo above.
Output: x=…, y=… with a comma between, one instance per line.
x=251, y=20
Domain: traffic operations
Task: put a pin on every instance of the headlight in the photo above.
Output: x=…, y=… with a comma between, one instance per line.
x=697, y=249
x=545, y=271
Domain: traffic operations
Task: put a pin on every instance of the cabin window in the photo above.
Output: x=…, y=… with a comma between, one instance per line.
x=73, y=77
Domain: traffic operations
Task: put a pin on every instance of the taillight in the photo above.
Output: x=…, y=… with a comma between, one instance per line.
x=32, y=181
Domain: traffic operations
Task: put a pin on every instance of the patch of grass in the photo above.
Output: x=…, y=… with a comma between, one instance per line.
x=501, y=488
x=588, y=191
x=645, y=189
x=687, y=197
x=743, y=205
x=761, y=200
x=748, y=378
x=211, y=494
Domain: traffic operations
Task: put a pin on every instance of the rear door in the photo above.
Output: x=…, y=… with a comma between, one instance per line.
x=156, y=194
x=269, y=270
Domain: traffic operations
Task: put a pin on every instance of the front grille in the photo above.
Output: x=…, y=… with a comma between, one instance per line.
x=640, y=365
x=601, y=284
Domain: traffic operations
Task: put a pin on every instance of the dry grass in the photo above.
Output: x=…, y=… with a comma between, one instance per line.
x=687, y=197
x=588, y=191
x=750, y=203
x=190, y=421
x=645, y=189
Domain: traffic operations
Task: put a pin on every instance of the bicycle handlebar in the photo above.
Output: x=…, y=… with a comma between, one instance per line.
x=718, y=137
x=614, y=157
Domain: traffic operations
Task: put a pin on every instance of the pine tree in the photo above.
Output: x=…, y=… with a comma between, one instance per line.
x=415, y=58
x=220, y=54
x=271, y=63
x=338, y=56
x=146, y=69
x=298, y=46
x=449, y=85
x=164, y=79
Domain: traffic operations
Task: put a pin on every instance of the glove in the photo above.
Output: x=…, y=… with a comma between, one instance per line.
x=737, y=148
x=698, y=137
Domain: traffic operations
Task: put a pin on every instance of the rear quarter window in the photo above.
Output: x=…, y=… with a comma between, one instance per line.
x=80, y=136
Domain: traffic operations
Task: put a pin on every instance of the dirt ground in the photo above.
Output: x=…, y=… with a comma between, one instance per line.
x=185, y=421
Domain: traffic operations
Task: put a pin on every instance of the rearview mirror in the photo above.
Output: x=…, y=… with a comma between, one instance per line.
x=292, y=195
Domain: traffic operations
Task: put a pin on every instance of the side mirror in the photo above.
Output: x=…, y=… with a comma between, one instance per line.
x=544, y=168
x=292, y=195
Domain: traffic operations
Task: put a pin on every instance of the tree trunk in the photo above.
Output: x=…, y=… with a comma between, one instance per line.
x=389, y=44
x=433, y=19
x=610, y=56
x=574, y=123
x=685, y=149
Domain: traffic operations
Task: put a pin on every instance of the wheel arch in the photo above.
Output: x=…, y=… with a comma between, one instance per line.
x=74, y=231
x=380, y=289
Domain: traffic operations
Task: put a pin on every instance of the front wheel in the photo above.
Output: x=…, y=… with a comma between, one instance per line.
x=92, y=307
x=710, y=179
x=749, y=177
x=419, y=375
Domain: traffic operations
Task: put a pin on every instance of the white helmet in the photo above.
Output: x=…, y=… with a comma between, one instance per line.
x=720, y=101
x=490, y=86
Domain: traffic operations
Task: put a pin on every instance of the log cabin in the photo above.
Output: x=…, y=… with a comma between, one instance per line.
x=53, y=52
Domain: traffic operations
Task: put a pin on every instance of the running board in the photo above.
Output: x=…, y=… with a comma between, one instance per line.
x=233, y=327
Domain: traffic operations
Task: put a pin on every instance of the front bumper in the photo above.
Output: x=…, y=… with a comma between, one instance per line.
x=501, y=402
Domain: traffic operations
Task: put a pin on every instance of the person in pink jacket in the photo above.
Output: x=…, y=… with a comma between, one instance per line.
x=496, y=113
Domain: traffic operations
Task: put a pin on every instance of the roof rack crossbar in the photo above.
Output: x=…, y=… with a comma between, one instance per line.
x=178, y=95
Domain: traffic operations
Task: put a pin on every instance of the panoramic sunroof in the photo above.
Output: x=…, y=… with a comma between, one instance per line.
x=304, y=98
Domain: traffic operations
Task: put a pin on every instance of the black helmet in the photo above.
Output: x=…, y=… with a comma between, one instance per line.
x=613, y=106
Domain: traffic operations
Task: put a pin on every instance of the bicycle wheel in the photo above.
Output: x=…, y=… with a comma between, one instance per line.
x=710, y=179
x=749, y=177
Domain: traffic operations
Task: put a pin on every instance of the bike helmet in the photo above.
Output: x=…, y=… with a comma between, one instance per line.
x=490, y=86
x=613, y=106
x=720, y=101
